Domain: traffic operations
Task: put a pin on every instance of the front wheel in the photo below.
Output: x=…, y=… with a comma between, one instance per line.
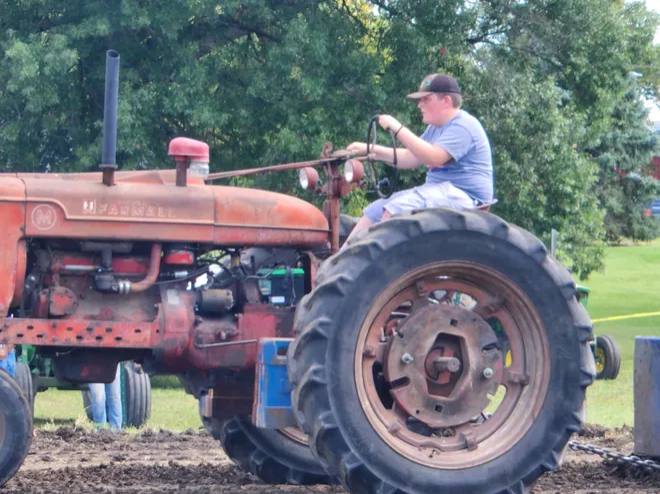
x=24, y=380
x=403, y=390
x=15, y=427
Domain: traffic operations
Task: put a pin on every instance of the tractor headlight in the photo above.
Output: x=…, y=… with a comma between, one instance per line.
x=308, y=178
x=353, y=171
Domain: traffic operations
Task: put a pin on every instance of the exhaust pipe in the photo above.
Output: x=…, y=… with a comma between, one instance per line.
x=109, y=149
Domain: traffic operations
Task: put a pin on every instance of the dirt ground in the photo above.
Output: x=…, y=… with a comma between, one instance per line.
x=73, y=461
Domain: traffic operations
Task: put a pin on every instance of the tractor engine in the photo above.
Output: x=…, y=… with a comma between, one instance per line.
x=176, y=308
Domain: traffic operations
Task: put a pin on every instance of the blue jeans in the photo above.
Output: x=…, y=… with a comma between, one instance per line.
x=9, y=364
x=107, y=396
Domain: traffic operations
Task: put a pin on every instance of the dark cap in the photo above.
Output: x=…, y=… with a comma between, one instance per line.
x=436, y=83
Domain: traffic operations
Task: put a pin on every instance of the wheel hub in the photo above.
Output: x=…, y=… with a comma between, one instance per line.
x=443, y=365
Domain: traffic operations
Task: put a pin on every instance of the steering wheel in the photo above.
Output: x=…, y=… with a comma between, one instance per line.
x=383, y=187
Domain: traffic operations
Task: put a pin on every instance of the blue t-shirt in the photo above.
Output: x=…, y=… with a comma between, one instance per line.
x=9, y=364
x=471, y=168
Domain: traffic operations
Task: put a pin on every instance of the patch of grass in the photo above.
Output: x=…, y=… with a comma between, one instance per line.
x=629, y=285
x=171, y=409
x=174, y=410
x=165, y=382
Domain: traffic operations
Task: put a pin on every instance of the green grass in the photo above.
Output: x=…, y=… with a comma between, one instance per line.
x=171, y=409
x=629, y=285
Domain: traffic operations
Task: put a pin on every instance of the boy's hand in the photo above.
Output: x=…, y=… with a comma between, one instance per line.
x=357, y=147
x=388, y=122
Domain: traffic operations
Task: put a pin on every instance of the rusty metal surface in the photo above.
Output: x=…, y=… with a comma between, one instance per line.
x=68, y=208
x=135, y=176
x=61, y=301
x=152, y=274
x=215, y=300
x=108, y=172
x=139, y=211
x=73, y=263
x=296, y=434
x=19, y=279
x=232, y=396
x=89, y=365
x=334, y=196
x=179, y=256
x=184, y=347
x=94, y=306
x=435, y=327
x=261, y=217
x=12, y=250
x=76, y=333
x=268, y=169
x=418, y=304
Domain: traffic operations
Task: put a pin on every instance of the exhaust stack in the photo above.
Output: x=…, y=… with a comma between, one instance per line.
x=109, y=149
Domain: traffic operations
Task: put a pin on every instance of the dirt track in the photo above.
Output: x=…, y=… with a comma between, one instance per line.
x=73, y=461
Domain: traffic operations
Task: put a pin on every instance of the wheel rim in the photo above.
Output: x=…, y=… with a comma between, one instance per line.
x=600, y=359
x=295, y=434
x=434, y=305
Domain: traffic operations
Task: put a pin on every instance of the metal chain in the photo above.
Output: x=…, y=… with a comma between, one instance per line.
x=608, y=454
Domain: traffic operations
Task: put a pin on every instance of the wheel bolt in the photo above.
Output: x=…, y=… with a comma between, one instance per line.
x=488, y=372
x=406, y=358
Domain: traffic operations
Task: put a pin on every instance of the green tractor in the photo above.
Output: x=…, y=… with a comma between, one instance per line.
x=35, y=373
x=606, y=351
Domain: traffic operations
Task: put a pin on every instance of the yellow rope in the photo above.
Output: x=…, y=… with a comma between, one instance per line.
x=631, y=316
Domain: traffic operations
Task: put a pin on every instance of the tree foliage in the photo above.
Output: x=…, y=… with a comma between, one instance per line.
x=269, y=81
x=624, y=187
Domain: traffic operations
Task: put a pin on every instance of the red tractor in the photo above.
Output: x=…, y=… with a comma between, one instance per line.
x=379, y=366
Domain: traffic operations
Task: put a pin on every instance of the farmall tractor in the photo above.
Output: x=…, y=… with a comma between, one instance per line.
x=379, y=365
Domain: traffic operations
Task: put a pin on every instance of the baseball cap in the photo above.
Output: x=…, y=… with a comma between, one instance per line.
x=436, y=83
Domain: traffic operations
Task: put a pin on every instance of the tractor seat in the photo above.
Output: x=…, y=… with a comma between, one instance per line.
x=485, y=206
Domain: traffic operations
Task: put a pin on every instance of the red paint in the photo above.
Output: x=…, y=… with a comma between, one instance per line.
x=180, y=257
x=185, y=148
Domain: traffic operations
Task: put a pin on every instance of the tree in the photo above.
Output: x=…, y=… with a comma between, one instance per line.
x=253, y=78
x=269, y=81
x=624, y=187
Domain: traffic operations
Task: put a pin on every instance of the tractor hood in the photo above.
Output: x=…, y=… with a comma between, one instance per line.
x=147, y=205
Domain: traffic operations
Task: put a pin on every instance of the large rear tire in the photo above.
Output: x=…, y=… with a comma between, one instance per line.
x=276, y=457
x=15, y=427
x=392, y=380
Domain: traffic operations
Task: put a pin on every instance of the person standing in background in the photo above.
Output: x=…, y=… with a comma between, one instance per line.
x=106, y=402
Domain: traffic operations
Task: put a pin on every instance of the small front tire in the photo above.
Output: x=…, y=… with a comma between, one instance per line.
x=15, y=427
x=608, y=357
